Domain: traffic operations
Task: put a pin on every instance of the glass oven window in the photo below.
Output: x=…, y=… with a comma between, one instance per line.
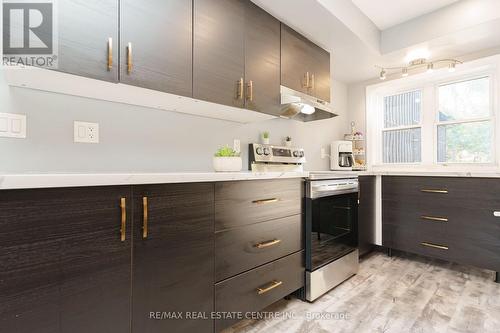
x=333, y=228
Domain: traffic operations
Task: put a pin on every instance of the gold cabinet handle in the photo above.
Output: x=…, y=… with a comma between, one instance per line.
x=434, y=246
x=306, y=79
x=145, y=217
x=434, y=191
x=239, y=89
x=312, y=82
x=250, y=91
x=265, y=201
x=123, y=226
x=129, y=58
x=433, y=218
x=267, y=244
x=274, y=284
x=110, y=53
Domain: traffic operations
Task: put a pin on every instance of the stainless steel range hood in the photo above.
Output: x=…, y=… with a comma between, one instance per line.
x=303, y=107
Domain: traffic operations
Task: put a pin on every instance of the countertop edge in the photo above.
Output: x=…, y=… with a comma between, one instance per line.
x=32, y=181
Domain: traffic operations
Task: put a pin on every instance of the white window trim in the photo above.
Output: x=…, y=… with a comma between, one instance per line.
x=489, y=66
x=492, y=118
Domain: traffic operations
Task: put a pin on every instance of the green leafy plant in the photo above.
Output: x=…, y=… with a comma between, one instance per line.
x=226, y=152
x=265, y=135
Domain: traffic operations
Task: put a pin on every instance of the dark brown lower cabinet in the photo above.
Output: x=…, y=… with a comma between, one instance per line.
x=173, y=257
x=63, y=264
x=366, y=213
x=450, y=218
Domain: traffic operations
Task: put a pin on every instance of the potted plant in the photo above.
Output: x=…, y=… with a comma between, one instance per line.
x=288, y=141
x=265, y=137
x=227, y=160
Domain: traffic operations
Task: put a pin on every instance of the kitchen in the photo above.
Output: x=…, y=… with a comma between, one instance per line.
x=249, y=166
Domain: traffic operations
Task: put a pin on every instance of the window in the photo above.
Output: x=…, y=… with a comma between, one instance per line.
x=401, y=134
x=465, y=126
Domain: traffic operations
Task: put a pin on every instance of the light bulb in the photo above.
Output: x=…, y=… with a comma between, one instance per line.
x=307, y=109
x=383, y=74
x=430, y=68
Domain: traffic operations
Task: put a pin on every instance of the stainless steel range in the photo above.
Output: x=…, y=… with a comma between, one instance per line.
x=269, y=158
x=331, y=231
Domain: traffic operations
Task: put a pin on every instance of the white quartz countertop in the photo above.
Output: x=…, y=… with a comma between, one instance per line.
x=25, y=181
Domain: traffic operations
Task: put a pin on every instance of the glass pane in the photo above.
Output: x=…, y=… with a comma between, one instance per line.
x=465, y=143
x=402, y=146
x=402, y=109
x=465, y=100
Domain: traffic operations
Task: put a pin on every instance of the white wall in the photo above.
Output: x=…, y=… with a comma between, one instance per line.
x=141, y=139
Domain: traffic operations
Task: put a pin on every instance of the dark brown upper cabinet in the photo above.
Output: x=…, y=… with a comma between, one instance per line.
x=173, y=253
x=219, y=51
x=305, y=67
x=88, y=38
x=65, y=260
x=262, y=60
x=156, y=45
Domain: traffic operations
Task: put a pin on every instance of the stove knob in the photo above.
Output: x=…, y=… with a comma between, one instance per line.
x=267, y=151
x=295, y=154
x=301, y=154
x=259, y=151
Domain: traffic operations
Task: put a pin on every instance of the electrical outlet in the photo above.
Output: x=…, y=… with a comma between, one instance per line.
x=237, y=145
x=86, y=132
x=12, y=125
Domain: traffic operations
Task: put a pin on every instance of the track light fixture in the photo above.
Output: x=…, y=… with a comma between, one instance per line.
x=419, y=63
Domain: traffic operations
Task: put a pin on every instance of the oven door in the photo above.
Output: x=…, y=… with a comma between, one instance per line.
x=331, y=228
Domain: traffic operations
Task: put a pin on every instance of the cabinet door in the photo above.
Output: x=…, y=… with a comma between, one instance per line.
x=320, y=80
x=262, y=60
x=173, y=268
x=295, y=59
x=366, y=214
x=63, y=266
x=219, y=51
x=305, y=67
x=84, y=30
x=160, y=37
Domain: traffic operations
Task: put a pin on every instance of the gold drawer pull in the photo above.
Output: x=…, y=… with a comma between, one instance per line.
x=110, y=54
x=273, y=285
x=145, y=217
x=434, y=191
x=265, y=201
x=435, y=246
x=239, y=89
x=267, y=244
x=123, y=206
x=432, y=218
x=129, y=58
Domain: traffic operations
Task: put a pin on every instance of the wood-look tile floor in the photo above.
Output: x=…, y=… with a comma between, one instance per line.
x=403, y=293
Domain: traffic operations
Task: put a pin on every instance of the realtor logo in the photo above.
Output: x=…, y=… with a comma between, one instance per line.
x=29, y=33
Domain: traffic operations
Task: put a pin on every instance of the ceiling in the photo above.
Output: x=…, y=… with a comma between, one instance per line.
x=357, y=44
x=388, y=13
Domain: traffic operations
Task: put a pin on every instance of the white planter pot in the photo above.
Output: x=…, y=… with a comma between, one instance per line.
x=228, y=164
x=288, y=143
x=265, y=141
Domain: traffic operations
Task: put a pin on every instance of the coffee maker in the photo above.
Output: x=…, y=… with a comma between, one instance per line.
x=341, y=156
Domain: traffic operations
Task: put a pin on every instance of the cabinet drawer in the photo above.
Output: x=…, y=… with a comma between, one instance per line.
x=413, y=240
x=240, y=249
x=247, y=202
x=260, y=287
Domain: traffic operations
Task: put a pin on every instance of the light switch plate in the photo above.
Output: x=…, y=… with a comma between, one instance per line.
x=12, y=125
x=85, y=132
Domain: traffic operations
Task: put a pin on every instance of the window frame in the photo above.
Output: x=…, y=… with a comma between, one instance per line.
x=491, y=118
x=398, y=128
x=373, y=109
